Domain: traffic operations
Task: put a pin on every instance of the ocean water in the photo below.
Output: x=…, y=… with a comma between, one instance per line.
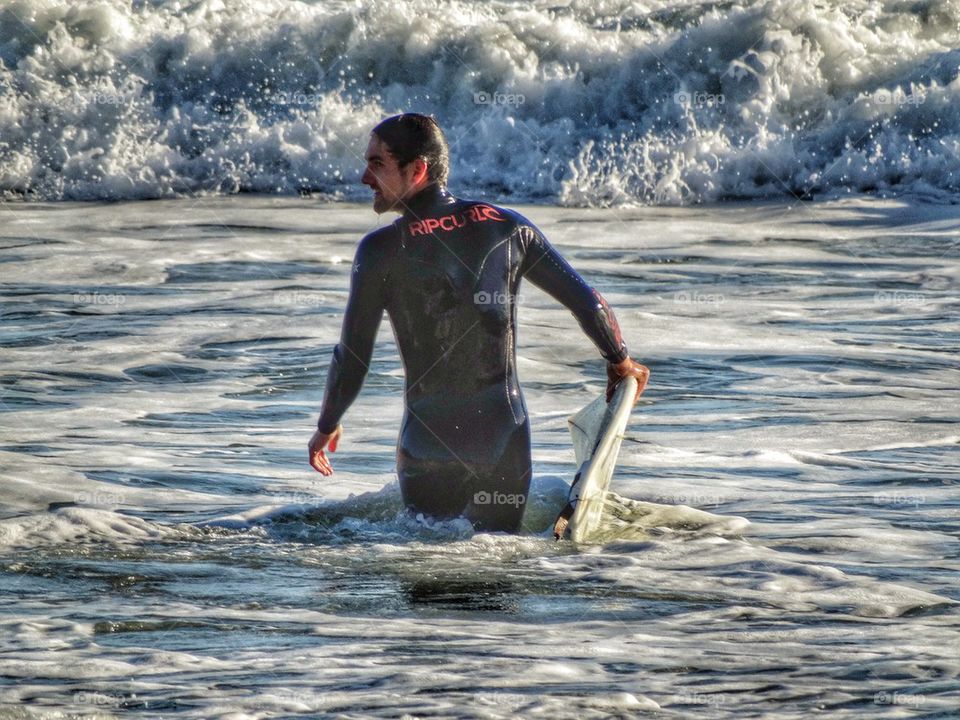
x=783, y=542
x=576, y=102
x=765, y=191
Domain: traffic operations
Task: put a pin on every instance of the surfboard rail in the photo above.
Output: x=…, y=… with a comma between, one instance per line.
x=597, y=432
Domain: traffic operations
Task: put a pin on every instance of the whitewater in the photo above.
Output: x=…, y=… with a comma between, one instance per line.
x=578, y=103
x=764, y=191
x=782, y=543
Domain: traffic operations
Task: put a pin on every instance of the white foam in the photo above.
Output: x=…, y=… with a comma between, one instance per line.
x=614, y=104
x=321, y=601
x=76, y=525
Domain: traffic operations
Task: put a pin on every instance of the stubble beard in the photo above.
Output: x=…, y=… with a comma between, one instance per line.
x=382, y=204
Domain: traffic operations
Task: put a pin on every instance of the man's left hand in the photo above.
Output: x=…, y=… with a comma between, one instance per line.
x=628, y=368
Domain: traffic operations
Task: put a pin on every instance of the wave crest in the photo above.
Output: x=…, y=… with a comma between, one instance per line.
x=591, y=104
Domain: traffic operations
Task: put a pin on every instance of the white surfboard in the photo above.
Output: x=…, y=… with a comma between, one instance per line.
x=597, y=432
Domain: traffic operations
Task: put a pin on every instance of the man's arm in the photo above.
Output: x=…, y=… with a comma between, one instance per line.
x=548, y=270
x=351, y=356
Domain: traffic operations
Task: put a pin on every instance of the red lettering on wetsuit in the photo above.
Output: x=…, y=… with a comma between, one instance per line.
x=475, y=214
x=485, y=212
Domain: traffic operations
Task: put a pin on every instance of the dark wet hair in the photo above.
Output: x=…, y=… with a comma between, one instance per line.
x=411, y=136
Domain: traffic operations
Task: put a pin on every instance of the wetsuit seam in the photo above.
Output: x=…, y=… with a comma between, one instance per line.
x=487, y=256
x=510, y=339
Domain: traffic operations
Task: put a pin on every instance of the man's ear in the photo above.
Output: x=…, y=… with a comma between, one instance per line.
x=421, y=175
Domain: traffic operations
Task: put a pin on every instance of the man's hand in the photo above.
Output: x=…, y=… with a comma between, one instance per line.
x=319, y=442
x=618, y=371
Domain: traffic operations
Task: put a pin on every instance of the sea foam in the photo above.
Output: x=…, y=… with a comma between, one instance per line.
x=581, y=104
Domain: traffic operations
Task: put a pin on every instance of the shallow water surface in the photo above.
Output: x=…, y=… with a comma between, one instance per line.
x=783, y=540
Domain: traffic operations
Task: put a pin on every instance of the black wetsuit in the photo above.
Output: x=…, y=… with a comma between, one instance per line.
x=447, y=273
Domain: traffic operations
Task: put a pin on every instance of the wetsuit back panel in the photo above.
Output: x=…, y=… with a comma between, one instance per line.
x=447, y=274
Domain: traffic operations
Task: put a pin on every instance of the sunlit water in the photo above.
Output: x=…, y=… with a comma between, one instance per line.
x=165, y=551
x=576, y=102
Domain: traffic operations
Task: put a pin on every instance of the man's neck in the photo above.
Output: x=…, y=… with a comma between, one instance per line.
x=426, y=198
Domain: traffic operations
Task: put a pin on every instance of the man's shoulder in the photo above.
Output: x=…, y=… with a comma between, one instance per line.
x=379, y=240
x=376, y=248
x=381, y=235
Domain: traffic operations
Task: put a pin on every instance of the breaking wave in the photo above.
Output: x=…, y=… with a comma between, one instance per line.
x=589, y=103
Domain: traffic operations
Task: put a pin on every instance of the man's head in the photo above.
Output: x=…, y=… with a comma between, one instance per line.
x=406, y=154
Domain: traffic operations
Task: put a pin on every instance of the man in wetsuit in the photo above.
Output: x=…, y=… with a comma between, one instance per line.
x=447, y=273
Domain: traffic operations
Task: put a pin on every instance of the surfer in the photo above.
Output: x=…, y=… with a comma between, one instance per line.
x=447, y=274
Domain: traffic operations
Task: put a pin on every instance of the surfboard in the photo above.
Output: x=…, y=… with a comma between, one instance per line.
x=597, y=432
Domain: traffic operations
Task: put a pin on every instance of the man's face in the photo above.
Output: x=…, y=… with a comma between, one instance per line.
x=391, y=184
